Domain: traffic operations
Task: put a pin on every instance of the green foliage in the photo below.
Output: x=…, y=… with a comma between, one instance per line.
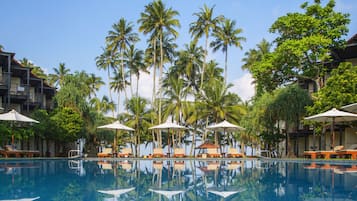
x=340, y=89
x=303, y=45
x=69, y=124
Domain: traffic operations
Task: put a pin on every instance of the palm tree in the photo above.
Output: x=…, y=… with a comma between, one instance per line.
x=36, y=70
x=252, y=58
x=94, y=83
x=226, y=35
x=188, y=65
x=118, y=84
x=106, y=61
x=157, y=20
x=135, y=63
x=59, y=74
x=152, y=58
x=120, y=38
x=138, y=117
x=204, y=24
x=104, y=105
x=219, y=104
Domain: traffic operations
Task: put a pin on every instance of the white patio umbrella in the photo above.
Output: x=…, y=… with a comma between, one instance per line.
x=225, y=193
x=168, y=126
x=23, y=199
x=333, y=116
x=14, y=116
x=224, y=126
x=116, y=193
x=350, y=108
x=116, y=126
x=167, y=193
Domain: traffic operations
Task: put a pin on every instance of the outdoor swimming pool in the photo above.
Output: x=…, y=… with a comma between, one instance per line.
x=99, y=180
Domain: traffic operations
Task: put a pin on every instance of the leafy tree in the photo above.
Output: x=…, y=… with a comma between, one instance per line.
x=1, y=47
x=69, y=123
x=74, y=92
x=205, y=23
x=340, y=89
x=305, y=41
x=226, y=34
x=252, y=63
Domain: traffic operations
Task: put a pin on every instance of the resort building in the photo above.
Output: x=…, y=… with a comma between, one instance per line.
x=303, y=137
x=23, y=91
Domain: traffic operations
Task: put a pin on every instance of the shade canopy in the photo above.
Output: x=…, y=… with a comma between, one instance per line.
x=224, y=126
x=23, y=199
x=333, y=115
x=13, y=115
x=116, y=193
x=207, y=145
x=225, y=193
x=167, y=193
x=168, y=125
x=350, y=108
x=116, y=126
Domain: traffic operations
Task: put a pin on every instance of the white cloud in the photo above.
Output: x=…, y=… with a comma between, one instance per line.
x=145, y=85
x=244, y=87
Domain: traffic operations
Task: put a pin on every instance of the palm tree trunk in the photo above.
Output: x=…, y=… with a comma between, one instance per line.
x=225, y=66
x=123, y=74
x=137, y=85
x=110, y=91
x=160, y=77
x=204, y=62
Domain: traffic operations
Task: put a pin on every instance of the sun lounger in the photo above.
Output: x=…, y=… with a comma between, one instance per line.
x=233, y=153
x=212, y=153
x=310, y=154
x=350, y=152
x=158, y=153
x=107, y=152
x=179, y=153
x=331, y=153
x=10, y=151
x=125, y=153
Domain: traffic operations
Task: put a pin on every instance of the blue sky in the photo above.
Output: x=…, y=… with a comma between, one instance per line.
x=48, y=32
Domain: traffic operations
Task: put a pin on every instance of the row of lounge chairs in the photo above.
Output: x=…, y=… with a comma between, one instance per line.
x=178, y=153
x=10, y=151
x=337, y=152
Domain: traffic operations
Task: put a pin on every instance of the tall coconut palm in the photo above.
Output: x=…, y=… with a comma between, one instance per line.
x=138, y=117
x=254, y=57
x=204, y=24
x=36, y=70
x=152, y=56
x=107, y=61
x=120, y=38
x=188, y=65
x=59, y=74
x=103, y=105
x=135, y=64
x=157, y=20
x=118, y=85
x=94, y=83
x=227, y=35
x=219, y=104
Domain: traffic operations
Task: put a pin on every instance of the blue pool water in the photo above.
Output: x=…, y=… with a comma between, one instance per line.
x=93, y=180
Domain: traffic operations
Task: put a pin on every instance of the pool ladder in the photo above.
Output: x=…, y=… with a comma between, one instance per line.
x=74, y=153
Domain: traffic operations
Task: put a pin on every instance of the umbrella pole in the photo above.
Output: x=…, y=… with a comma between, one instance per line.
x=333, y=133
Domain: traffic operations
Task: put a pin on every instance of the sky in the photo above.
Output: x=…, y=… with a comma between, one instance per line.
x=48, y=32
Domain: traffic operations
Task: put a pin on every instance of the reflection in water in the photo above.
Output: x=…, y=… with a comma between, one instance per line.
x=184, y=180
